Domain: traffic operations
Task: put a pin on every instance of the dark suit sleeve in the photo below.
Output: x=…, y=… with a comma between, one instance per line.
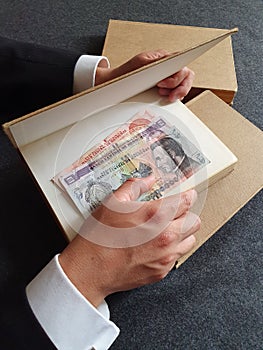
x=33, y=76
x=22, y=331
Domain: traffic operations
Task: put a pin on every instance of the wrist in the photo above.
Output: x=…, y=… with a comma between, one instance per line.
x=83, y=270
x=104, y=74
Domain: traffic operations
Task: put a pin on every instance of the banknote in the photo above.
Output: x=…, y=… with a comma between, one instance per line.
x=88, y=186
x=119, y=149
x=142, y=119
x=156, y=147
x=167, y=153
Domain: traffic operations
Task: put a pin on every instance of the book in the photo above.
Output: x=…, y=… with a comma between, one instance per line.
x=224, y=198
x=50, y=139
x=214, y=70
x=144, y=135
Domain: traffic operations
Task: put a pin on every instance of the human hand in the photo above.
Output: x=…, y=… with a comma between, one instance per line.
x=174, y=87
x=98, y=270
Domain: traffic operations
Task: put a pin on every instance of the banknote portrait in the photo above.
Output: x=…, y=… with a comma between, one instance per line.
x=170, y=157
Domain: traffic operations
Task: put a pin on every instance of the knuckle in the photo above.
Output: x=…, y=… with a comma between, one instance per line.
x=160, y=275
x=156, y=214
x=165, y=238
x=185, y=201
x=141, y=56
x=158, y=217
x=149, y=56
x=150, y=212
x=188, y=198
x=188, y=245
x=167, y=260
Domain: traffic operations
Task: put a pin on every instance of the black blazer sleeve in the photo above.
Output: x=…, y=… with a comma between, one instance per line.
x=33, y=76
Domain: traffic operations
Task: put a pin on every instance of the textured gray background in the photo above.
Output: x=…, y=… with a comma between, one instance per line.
x=214, y=301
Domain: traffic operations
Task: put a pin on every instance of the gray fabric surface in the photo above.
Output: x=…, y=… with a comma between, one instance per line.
x=214, y=301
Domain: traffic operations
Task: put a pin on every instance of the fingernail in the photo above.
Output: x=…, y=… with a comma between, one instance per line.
x=192, y=196
x=162, y=84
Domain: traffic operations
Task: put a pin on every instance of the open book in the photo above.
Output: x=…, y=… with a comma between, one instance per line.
x=136, y=138
x=53, y=138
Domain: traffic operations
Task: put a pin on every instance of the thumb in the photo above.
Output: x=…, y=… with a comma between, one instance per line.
x=140, y=60
x=133, y=188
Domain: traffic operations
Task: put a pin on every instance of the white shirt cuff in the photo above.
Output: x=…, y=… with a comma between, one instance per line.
x=85, y=71
x=69, y=320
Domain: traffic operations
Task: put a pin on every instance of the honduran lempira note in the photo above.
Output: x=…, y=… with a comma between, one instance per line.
x=146, y=144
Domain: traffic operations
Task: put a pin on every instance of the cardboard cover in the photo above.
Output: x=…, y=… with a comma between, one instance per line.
x=228, y=195
x=214, y=70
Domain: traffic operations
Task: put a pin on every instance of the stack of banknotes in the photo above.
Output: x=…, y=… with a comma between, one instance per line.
x=146, y=144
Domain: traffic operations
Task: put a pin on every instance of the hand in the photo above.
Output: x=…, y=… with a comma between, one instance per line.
x=174, y=87
x=98, y=270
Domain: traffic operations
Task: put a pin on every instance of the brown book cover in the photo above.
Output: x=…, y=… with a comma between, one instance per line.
x=214, y=70
x=229, y=194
